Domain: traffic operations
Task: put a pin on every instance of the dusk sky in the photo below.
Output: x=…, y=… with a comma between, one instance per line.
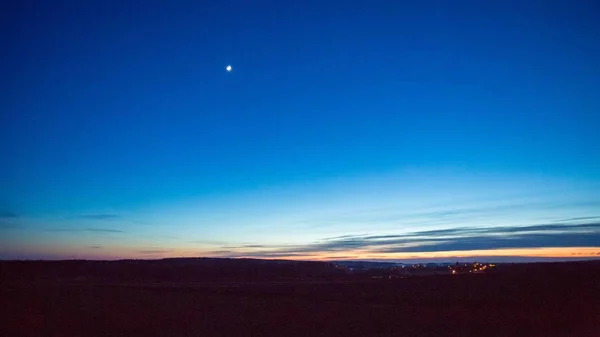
x=345, y=129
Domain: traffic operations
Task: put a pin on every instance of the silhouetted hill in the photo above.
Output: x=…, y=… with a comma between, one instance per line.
x=172, y=269
x=146, y=298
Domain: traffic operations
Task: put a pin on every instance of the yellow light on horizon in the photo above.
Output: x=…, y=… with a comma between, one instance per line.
x=126, y=252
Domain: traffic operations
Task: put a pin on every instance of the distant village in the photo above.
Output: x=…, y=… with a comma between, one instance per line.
x=386, y=270
x=227, y=270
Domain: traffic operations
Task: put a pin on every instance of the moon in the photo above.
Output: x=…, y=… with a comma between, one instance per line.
x=228, y=68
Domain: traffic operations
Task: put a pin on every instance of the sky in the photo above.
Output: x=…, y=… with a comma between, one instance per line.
x=381, y=130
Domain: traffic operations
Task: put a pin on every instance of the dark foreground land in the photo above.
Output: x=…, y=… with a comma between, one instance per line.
x=175, y=299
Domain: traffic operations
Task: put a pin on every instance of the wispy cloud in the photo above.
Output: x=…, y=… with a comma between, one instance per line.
x=453, y=239
x=244, y=246
x=6, y=214
x=95, y=247
x=501, y=242
x=448, y=214
x=580, y=218
x=104, y=230
x=79, y=230
x=100, y=216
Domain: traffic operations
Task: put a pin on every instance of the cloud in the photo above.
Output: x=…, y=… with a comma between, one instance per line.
x=8, y=219
x=100, y=216
x=95, y=247
x=397, y=214
x=344, y=236
x=466, y=231
x=453, y=239
x=253, y=246
x=104, y=230
x=500, y=242
x=580, y=218
x=5, y=214
x=79, y=230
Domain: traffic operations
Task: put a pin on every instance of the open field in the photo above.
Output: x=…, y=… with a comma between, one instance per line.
x=552, y=300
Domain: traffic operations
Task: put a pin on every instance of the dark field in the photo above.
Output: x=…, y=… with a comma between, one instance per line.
x=523, y=300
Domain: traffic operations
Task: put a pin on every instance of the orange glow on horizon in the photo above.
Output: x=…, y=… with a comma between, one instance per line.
x=544, y=252
x=120, y=252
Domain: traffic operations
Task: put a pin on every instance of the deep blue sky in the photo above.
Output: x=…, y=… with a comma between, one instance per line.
x=123, y=110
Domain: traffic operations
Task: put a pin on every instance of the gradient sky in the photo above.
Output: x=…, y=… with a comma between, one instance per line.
x=346, y=130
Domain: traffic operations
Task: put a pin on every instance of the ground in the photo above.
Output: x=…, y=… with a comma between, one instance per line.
x=546, y=303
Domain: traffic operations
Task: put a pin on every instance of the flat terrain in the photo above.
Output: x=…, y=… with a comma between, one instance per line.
x=549, y=301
